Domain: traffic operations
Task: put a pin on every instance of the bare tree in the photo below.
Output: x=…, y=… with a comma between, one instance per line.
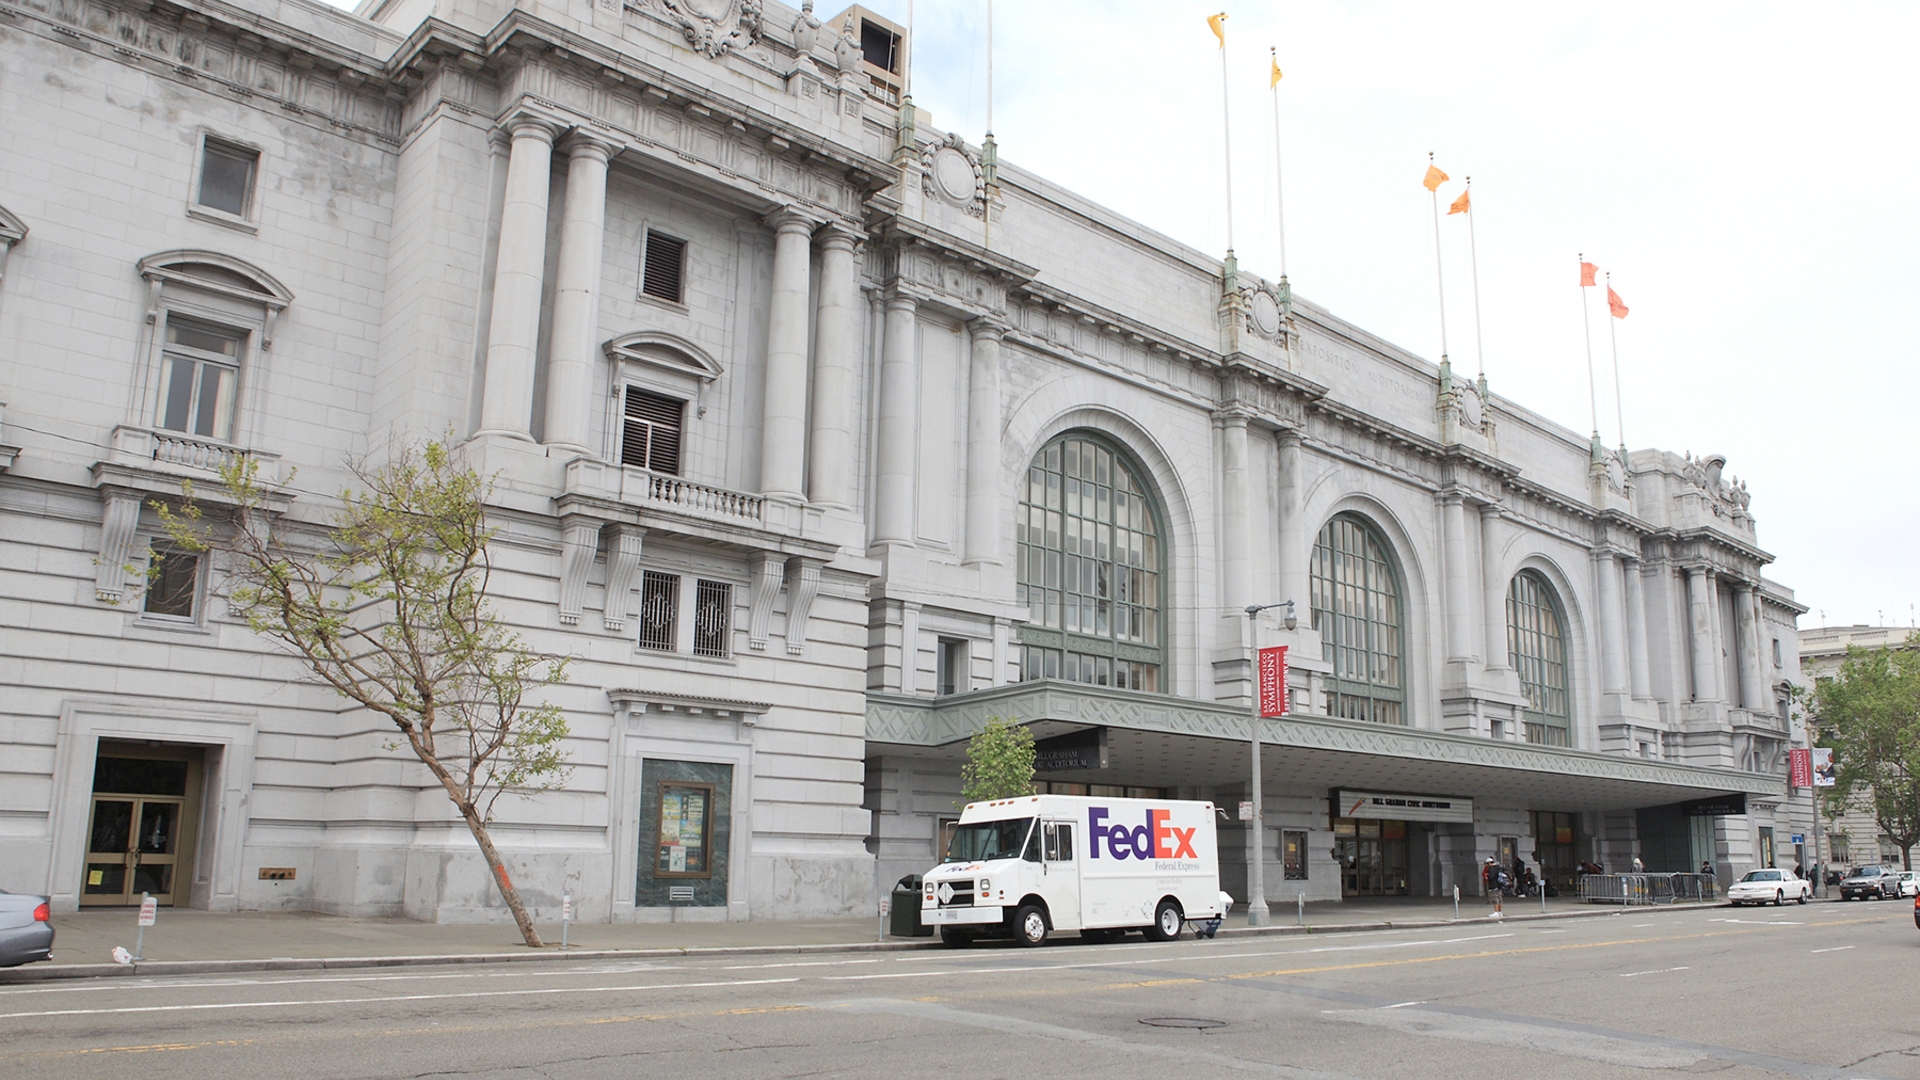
x=387, y=604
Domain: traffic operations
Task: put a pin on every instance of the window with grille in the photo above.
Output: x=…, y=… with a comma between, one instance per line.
x=713, y=619
x=173, y=584
x=650, y=431
x=1089, y=569
x=200, y=378
x=663, y=267
x=1357, y=608
x=1537, y=648
x=227, y=177
x=659, y=611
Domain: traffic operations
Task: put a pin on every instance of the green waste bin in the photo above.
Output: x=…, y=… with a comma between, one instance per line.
x=903, y=919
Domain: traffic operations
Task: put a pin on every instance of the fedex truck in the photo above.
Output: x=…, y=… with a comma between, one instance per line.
x=1026, y=867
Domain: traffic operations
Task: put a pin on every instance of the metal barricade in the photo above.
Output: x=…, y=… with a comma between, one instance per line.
x=1646, y=889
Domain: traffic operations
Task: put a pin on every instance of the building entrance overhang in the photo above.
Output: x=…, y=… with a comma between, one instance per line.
x=1160, y=741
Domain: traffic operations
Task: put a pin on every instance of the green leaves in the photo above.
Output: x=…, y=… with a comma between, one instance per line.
x=999, y=762
x=1869, y=713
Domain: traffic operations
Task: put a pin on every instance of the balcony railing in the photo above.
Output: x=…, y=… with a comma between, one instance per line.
x=180, y=454
x=662, y=490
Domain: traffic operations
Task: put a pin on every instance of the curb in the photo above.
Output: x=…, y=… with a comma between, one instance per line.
x=344, y=963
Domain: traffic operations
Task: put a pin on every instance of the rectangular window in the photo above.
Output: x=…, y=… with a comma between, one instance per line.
x=226, y=177
x=173, y=584
x=1766, y=846
x=686, y=831
x=1839, y=847
x=650, y=432
x=951, y=665
x=712, y=619
x=1059, y=841
x=659, y=611
x=200, y=379
x=663, y=267
x=1293, y=855
x=1776, y=652
x=880, y=47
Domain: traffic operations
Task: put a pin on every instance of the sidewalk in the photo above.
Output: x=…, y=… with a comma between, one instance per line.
x=185, y=941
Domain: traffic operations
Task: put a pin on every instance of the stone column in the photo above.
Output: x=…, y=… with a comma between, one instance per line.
x=1613, y=665
x=1706, y=681
x=1459, y=581
x=836, y=342
x=513, y=333
x=783, y=423
x=1493, y=586
x=983, y=445
x=1639, y=672
x=572, y=350
x=1236, y=523
x=1753, y=682
x=1295, y=546
x=898, y=423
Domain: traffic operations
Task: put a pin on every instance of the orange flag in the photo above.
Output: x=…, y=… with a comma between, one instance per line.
x=1587, y=270
x=1615, y=305
x=1435, y=178
x=1461, y=205
x=1216, y=24
x=1274, y=79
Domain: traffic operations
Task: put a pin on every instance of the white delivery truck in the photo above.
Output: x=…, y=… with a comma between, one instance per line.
x=1028, y=866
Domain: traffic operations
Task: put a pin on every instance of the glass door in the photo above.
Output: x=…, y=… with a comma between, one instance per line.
x=132, y=848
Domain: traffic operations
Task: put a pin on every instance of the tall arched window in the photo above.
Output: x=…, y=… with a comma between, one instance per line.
x=1537, y=646
x=1089, y=569
x=1357, y=609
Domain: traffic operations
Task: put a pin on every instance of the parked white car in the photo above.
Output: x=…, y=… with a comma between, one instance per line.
x=1769, y=887
x=1909, y=886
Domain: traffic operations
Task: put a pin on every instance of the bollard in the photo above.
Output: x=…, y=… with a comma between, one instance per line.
x=1302, y=907
x=566, y=916
x=1543, y=893
x=1456, y=901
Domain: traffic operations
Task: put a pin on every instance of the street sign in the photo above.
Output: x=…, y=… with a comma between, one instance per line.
x=1075, y=750
x=1799, y=838
x=1273, y=681
x=149, y=910
x=886, y=905
x=1246, y=811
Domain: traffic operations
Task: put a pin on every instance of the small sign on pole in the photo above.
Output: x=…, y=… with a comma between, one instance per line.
x=149, y=909
x=1798, y=838
x=1273, y=681
x=1246, y=811
x=1799, y=767
x=1822, y=766
x=886, y=906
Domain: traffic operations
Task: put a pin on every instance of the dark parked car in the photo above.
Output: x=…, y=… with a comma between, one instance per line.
x=26, y=929
x=1877, y=882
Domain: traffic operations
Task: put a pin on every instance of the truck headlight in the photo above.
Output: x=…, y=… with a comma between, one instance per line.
x=984, y=886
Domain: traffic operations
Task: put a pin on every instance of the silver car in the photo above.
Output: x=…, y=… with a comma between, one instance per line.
x=26, y=929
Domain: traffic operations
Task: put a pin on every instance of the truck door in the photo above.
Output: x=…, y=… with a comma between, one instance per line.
x=1062, y=881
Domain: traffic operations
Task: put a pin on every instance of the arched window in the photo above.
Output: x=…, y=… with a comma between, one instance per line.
x=1357, y=609
x=1537, y=647
x=1090, y=568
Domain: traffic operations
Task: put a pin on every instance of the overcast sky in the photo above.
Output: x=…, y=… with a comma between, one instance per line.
x=1745, y=171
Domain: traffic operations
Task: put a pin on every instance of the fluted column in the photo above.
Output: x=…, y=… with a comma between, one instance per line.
x=513, y=333
x=1236, y=561
x=830, y=466
x=572, y=349
x=1613, y=666
x=1493, y=586
x=1706, y=674
x=984, y=496
x=1292, y=528
x=898, y=424
x=1640, y=676
x=1753, y=682
x=783, y=423
x=1459, y=580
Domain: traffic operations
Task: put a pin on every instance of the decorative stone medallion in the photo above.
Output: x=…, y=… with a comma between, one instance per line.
x=714, y=26
x=952, y=173
x=1264, y=310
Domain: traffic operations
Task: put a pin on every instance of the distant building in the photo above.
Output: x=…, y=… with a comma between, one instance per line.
x=821, y=436
x=1854, y=837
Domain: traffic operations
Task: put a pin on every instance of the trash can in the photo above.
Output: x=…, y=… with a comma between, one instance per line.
x=903, y=919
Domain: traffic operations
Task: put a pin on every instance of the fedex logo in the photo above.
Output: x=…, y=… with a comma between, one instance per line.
x=1157, y=839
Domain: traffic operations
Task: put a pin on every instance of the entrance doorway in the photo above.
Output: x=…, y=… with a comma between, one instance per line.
x=1555, y=839
x=145, y=817
x=1372, y=856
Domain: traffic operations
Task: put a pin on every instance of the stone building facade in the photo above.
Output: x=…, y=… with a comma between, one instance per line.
x=1852, y=835
x=819, y=437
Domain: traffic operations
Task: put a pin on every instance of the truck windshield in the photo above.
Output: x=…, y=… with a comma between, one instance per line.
x=983, y=840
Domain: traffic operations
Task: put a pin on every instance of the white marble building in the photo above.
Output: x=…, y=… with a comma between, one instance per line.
x=820, y=437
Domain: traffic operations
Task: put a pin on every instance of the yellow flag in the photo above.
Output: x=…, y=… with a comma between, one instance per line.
x=1217, y=23
x=1462, y=204
x=1435, y=178
x=1274, y=79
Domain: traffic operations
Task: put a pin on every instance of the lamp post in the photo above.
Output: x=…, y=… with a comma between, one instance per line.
x=1257, y=880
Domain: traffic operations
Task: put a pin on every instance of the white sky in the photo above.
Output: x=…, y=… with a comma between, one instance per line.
x=1745, y=171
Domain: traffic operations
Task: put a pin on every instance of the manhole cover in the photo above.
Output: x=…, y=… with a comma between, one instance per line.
x=1182, y=1022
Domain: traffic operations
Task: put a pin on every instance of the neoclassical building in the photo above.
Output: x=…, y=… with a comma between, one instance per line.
x=819, y=436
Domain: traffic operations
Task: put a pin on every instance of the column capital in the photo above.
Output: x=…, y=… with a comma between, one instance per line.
x=836, y=235
x=788, y=219
x=582, y=143
x=527, y=125
x=982, y=327
x=899, y=299
x=1289, y=436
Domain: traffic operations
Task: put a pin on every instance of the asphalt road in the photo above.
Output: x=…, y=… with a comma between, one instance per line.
x=1825, y=990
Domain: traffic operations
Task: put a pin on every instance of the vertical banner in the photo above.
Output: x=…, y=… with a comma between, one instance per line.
x=1799, y=767
x=1273, y=681
x=1822, y=766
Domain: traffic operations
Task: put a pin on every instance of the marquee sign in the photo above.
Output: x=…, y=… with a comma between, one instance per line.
x=1384, y=805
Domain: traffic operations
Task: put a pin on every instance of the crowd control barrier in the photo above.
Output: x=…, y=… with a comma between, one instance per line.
x=1631, y=889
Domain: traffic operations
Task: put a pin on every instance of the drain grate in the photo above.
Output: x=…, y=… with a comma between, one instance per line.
x=1183, y=1022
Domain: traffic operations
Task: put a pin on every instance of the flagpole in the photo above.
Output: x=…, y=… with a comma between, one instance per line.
x=1473, y=249
x=1619, y=415
x=989, y=153
x=1586, y=326
x=1279, y=182
x=1226, y=122
x=1439, y=275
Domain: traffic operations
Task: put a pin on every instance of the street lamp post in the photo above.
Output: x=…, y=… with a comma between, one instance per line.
x=1257, y=880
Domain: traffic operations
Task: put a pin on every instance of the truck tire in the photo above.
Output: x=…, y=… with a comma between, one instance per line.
x=1030, y=925
x=1166, y=921
x=955, y=939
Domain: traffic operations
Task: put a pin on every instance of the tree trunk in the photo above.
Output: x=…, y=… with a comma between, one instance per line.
x=500, y=878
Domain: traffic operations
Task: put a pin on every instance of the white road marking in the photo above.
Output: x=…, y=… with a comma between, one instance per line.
x=1837, y=948
x=1656, y=971
x=801, y=964
x=1403, y=1005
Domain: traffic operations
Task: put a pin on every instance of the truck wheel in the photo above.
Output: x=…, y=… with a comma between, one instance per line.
x=1166, y=922
x=954, y=939
x=1030, y=925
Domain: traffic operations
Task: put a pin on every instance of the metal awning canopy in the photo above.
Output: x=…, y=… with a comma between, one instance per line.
x=1159, y=741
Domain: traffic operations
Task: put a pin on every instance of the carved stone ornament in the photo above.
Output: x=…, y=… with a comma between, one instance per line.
x=1467, y=400
x=1263, y=313
x=714, y=26
x=952, y=173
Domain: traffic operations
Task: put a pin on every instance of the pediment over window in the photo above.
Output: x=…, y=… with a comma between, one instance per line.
x=12, y=229
x=667, y=351
x=223, y=275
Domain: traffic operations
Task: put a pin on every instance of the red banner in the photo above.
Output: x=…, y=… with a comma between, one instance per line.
x=1800, y=768
x=1273, y=681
